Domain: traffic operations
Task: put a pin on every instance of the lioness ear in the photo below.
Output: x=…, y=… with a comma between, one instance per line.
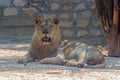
x=56, y=21
x=37, y=20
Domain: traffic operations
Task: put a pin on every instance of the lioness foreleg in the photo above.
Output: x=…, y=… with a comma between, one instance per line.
x=59, y=59
x=71, y=62
x=26, y=59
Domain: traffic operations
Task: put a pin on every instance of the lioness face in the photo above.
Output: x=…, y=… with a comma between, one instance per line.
x=48, y=30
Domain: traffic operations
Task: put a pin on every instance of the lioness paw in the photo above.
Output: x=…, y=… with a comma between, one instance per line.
x=70, y=63
x=25, y=60
x=44, y=61
x=80, y=65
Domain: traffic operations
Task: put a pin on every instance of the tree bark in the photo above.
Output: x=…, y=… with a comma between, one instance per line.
x=108, y=12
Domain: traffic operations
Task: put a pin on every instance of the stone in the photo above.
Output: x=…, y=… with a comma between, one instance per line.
x=57, y=0
x=64, y=15
x=95, y=32
x=92, y=7
x=81, y=6
x=5, y=3
x=96, y=23
x=90, y=0
x=75, y=15
x=10, y=11
x=77, y=1
x=68, y=33
x=1, y=11
x=30, y=11
x=54, y=6
x=82, y=23
x=49, y=16
x=67, y=7
x=18, y=20
x=19, y=3
x=86, y=14
x=82, y=33
x=66, y=24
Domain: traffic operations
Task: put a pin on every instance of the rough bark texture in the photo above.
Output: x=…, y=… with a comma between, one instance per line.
x=108, y=12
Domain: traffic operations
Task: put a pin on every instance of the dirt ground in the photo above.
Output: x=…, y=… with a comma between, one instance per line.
x=14, y=45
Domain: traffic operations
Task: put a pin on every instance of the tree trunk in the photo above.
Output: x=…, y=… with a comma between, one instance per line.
x=108, y=12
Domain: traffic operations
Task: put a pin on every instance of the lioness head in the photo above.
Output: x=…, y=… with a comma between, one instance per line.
x=47, y=30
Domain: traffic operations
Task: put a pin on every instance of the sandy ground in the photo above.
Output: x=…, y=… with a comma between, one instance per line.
x=14, y=47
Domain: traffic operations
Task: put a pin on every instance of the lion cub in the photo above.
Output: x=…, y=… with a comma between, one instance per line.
x=47, y=47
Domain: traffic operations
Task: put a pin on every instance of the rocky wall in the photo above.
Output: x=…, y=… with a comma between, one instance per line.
x=77, y=17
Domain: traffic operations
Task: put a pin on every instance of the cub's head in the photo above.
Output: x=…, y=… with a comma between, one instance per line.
x=47, y=30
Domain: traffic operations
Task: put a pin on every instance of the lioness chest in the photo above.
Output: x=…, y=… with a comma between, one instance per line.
x=41, y=52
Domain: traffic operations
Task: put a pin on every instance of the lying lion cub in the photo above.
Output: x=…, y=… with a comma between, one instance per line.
x=46, y=47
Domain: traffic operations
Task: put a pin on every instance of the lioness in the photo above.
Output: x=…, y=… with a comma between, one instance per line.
x=47, y=47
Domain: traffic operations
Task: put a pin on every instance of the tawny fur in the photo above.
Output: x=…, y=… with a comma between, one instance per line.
x=37, y=49
x=102, y=50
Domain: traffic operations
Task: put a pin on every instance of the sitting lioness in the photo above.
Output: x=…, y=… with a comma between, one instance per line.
x=47, y=47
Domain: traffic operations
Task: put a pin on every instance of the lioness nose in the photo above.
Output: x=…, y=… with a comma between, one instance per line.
x=45, y=31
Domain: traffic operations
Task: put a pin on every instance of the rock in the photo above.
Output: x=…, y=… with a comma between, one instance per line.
x=10, y=11
x=66, y=24
x=68, y=33
x=64, y=15
x=82, y=22
x=67, y=7
x=19, y=3
x=5, y=3
x=56, y=0
x=86, y=14
x=30, y=11
x=74, y=15
x=82, y=33
x=54, y=6
x=80, y=7
x=92, y=7
x=77, y=1
x=95, y=32
x=50, y=16
x=96, y=23
x=18, y=20
x=1, y=11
